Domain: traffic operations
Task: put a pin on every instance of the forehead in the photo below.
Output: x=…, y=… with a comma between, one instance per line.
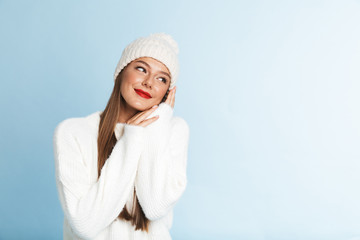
x=153, y=63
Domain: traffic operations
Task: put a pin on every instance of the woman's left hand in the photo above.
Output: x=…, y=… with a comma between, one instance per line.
x=171, y=97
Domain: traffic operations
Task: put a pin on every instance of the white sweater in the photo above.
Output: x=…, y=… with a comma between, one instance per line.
x=152, y=159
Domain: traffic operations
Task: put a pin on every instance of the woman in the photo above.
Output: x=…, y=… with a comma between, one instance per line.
x=119, y=172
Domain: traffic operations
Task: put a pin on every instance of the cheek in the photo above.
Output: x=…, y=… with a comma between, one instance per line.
x=131, y=78
x=161, y=92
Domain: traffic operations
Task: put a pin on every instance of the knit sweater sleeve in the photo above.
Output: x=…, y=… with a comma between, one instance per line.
x=91, y=207
x=161, y=177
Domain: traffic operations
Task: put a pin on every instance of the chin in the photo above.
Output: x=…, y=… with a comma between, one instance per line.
x=142, y=107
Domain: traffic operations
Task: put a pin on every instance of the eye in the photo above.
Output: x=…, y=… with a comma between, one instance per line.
x=163, y=80
x=141, y=69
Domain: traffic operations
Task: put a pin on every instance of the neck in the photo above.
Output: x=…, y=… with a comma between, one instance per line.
x=126, y=112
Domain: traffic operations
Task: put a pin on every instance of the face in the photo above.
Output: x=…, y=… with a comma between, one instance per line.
x=144, y=83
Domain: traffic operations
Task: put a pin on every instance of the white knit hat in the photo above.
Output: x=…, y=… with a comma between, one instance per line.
x=159, y=46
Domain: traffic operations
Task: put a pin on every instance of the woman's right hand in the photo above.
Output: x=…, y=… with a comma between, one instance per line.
x=138, y=119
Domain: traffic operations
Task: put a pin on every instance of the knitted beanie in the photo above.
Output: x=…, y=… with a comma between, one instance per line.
x=159, y=46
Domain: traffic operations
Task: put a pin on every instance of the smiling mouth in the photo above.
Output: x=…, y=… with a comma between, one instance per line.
x=142, y=94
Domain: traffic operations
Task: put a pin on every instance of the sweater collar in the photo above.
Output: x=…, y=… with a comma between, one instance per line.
x=119, y=130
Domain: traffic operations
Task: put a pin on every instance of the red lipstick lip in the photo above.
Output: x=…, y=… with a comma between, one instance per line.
x=143, y=93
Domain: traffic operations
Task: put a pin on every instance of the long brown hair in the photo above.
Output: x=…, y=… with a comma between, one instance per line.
x=106, y=142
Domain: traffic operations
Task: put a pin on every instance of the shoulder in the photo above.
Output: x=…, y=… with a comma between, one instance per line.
x=179, y=135
x=77, y=125
x=180, y=125
x=180, y=122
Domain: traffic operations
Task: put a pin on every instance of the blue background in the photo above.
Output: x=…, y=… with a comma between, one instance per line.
x=270, y=90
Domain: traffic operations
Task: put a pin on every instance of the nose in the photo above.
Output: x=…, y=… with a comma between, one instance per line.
x=147, y=82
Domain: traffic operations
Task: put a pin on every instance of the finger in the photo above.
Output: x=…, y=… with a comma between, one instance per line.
x=168, y=99
x=172, y=100
x=144, y=115
x=135, y=118
x=171, y=93
x=148, y=121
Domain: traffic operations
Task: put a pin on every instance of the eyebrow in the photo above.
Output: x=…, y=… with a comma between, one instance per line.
x=145, y=63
